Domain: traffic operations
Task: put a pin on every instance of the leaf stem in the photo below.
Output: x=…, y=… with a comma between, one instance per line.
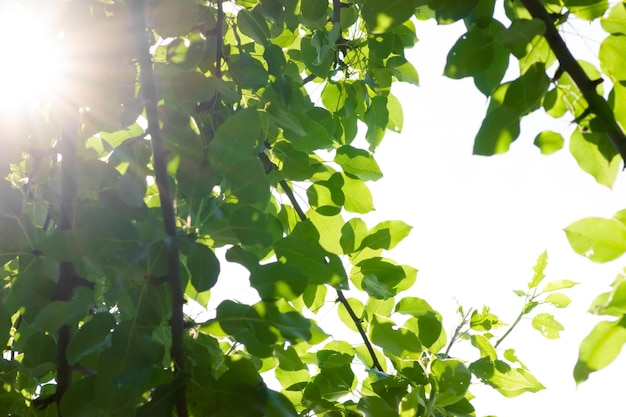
x=149, y=93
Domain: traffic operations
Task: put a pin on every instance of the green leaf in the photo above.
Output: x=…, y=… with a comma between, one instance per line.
x=396, y=116
x=314, y=10
x=429, y=326
x=317, y=57
x=509, y=381
x=615, y=21
x=484, y=346
x=352, y=234
x=598, y=239
x=451, y=10
x=520, y=34
x=595, y=155
x=558, y=285
x=499, y=129
x=92, y=335
x=613, y=57
x=386, y=235
x=549, y=142
x=358, y=162
x=235, y=141
x=587, y=9
x=251, y=227
x=539, y=268
x=376, y=407
x=171, y=18
x=403, y=70
x=277, y=280
x=379, y=277
x=547, y=325
x=54, y=315
x=253, y=25
x=303, y=251
x=471, y=54
x=203, y=265
x=558, y=299
x=358, y=198
x=451, y=380
x=313, y=136
x=358, y=308
x=600, y=348
x=383, y=16
x=525, y=93
x=395, y=340
x=488, y=80
x=484, y=321
x=376, y=118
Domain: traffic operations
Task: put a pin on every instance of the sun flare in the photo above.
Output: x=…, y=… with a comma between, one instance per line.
x=29, y=54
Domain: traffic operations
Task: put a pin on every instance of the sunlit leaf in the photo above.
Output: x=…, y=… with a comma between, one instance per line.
x=598, y=239
x=599, y=348
x=547, y=325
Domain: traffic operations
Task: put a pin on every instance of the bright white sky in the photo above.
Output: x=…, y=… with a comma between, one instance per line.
x=480, y=223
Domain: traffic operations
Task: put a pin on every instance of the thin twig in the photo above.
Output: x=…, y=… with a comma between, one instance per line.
x=597, y=104
x=149, y=93
x=269, y=165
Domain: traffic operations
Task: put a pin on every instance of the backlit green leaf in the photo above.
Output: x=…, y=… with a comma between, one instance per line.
x=358, y=162
x=549, y=142
x=598, y=239
x=547, y=325
x=382, y=16
x=599, y=348
x=470, y=55
x=499, y=129
x=613, y=57
x=509, y=381
x=587, y=9
x=395, y=340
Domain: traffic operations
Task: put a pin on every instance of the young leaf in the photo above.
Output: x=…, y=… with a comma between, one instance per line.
x=558, y=299
x=547, y=325
x=539, y=268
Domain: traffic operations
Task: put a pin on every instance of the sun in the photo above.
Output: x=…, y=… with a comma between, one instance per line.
x=29, y=56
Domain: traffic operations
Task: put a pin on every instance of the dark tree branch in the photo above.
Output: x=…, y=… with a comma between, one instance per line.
x=68, y=279
x=149, y=93
x=269, y=165
x=597, y=103
x=219, y=47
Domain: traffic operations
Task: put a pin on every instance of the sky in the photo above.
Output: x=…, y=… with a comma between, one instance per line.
x=479, y=224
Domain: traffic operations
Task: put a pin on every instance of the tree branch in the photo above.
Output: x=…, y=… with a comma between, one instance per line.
x=219, y=47
x=269, y=166
x=149, y=93
x=68, y=279
x=597, y=103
